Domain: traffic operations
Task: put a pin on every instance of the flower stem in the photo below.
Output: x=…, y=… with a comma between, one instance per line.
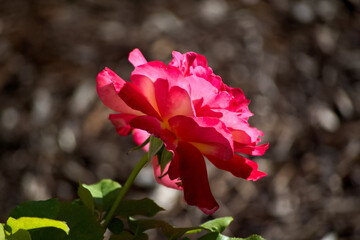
x=124, y=189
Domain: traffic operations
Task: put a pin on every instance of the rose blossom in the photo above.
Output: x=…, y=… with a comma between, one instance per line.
x=193, y=112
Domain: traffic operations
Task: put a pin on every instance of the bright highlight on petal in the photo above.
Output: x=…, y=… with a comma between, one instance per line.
x=137, y=58
x=172, y=101
x=193, y=112
x=146, y=87
x=140, y=136
x=135, y=99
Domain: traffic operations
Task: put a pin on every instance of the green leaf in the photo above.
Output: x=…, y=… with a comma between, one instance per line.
x=80, y=220
x=215, y=225
x=215, y=236
x=122, y=236
x=20, y=235
x=139, y=226
x=77, y=202
x=116, y=226
x=83, y=225
x=218, y=224
x=2, y=232
x=86, y=197
x=155, y=146
x=104, y=193
x=140, y=146
x=41, y=209
x=28, y=223
x=254, y=237
x=219, y=236
x=141, y=236
x=164, y=157
x=144, y=207
x=48, y=233
x=129, y=236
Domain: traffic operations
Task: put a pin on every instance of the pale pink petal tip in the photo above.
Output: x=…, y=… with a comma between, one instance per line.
x=136, y=58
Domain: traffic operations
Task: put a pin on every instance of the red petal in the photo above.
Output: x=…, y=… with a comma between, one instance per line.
x=209, y=135
x=146, y=87
x=140, y=136
x=121, y=122
x=201, y=89
x=238, y=100
x=134, y=98
x=239, y=166
x=251, y=150
x=246, y=135
x=173, y=101
x=165, y=179
x=153, y=126
x=187, y=62
x=194, y=178
x=174, y=167
x=155, y=70
x=137, y=58
x=108, y=86
x=232, y=120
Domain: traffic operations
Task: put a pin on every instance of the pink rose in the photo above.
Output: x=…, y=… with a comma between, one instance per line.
x=193, y=112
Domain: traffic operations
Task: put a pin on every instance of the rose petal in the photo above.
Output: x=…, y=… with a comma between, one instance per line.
x=174, y=167
x=108, y=86
x=232, y=120
x=238, y=100
x=155, y=70
x=177, y=59
x=146, y=87
x=140, y=136
x=201, y=89
x=187, y=62
x=251, y=150
x=220, y=101
x=173, y=101
x=194, y=178
x=136, y=57
x=121, y=122
x=153, y=126
x=134, y=98
x=210, y=135
x=239, y=166
x=246, y=135
x=165, y=179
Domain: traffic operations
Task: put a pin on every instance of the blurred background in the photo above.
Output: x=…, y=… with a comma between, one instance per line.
x=298, y=62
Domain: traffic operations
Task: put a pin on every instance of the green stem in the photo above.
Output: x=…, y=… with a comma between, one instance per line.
x=124, y=189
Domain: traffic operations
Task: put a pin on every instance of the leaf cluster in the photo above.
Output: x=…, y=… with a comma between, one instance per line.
x=81, y=219
x=84, y=218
